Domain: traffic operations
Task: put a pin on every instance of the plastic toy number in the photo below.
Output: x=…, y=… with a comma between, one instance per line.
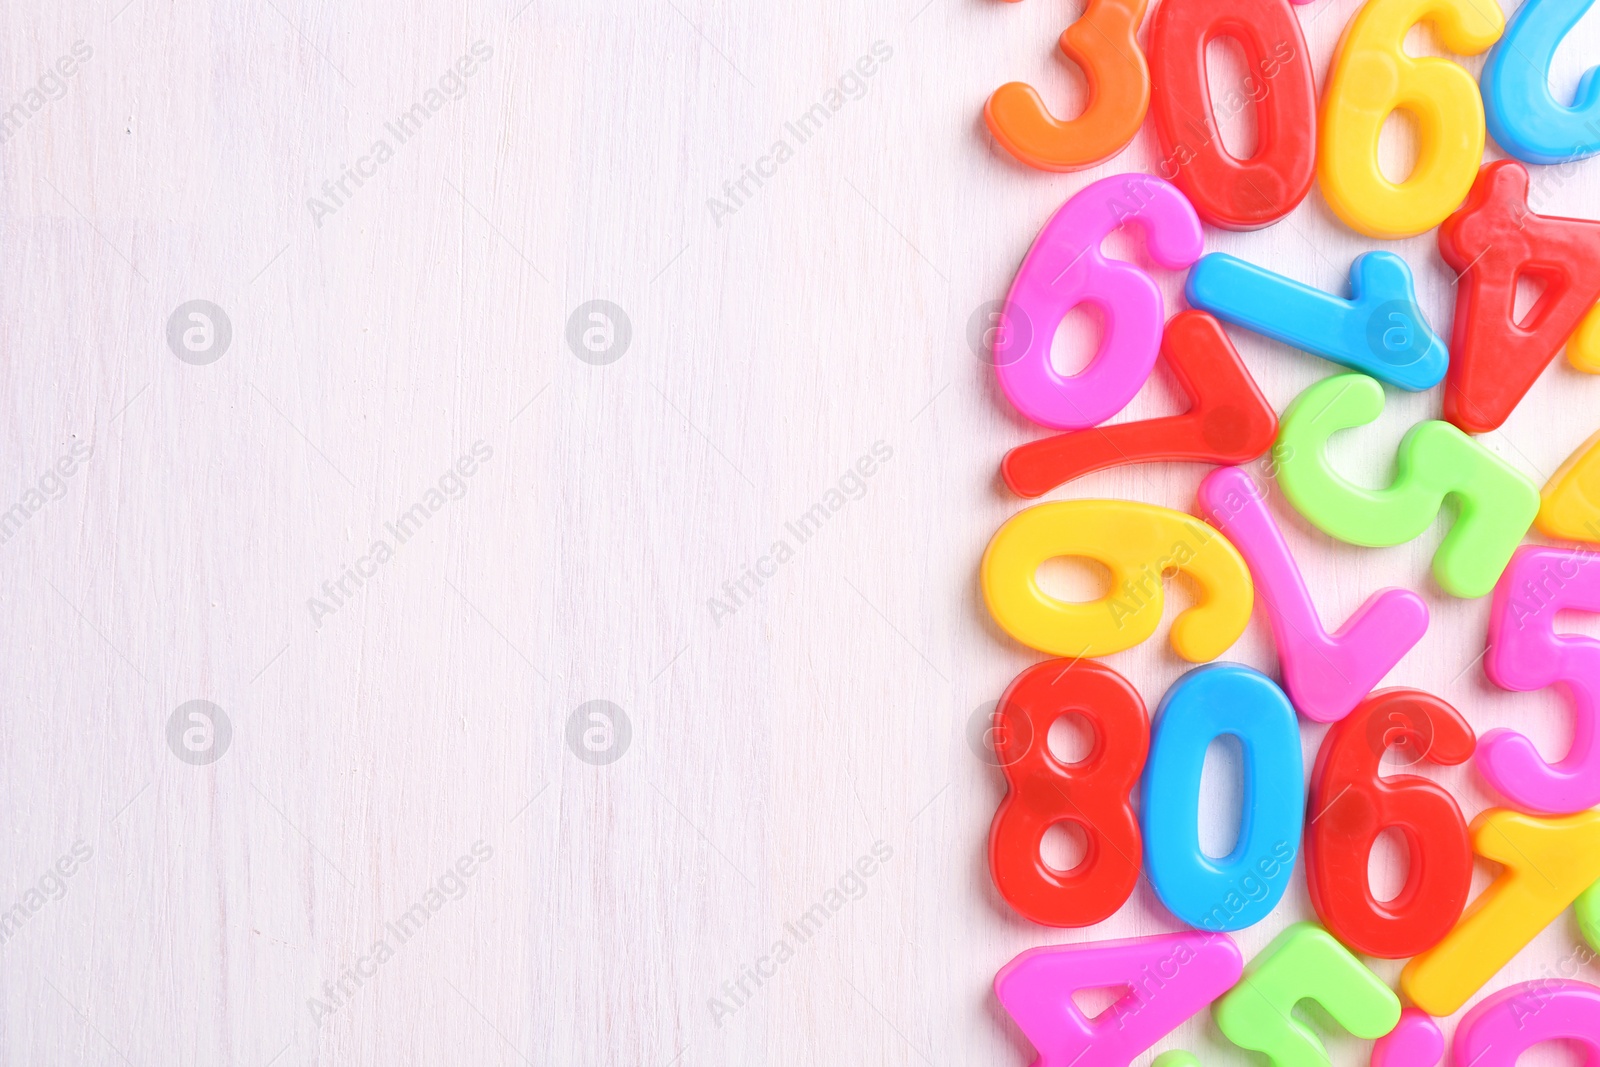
x=1227, y=192
x=1303, y=962
x=1492, y=242
x=1093, y=794
x=1500, y=1028
x=1372, y=76
x=1169, y=978
x=1140, y=544
x=1242, y=888
x=1587, y=910
x=1525, y=654
x=1065, y=268
x=1415, y=1041
x=1228, y=421
x=1351, y=806
x=1569, y=504
x=1325, y=676
x=1379, y=331
x=1104, y=43
x=1548, y=863
x=1435, y=461
x=1524, y=118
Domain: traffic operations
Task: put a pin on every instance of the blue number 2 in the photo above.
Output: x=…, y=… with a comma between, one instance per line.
x=1522, y=116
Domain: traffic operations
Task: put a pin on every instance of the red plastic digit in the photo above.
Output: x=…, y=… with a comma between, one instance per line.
x=1093, y=793
x=1350, y=806
x=1232, y=193
x=1491, y=241
x=1228, y=421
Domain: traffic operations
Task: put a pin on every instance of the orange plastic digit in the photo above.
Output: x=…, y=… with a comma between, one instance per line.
x=1105, y=44
x=1548, y=864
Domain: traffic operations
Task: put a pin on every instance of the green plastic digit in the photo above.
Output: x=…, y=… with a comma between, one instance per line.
x=1588, y=910
x=1176, y=1057
x=1435, y=461
x=1303, y=962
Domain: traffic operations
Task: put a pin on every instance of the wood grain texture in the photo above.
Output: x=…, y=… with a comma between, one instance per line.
x=774, y=343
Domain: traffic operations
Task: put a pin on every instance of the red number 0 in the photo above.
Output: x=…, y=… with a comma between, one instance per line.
x=1227, y=192
x=1092, y=793
x=1350, y=806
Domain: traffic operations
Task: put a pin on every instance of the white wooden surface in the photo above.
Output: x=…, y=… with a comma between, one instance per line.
x=771, y=347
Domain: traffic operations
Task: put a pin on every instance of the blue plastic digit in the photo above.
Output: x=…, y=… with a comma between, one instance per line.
x=1522, y=115
x=1242, y=888
x=1379, y=331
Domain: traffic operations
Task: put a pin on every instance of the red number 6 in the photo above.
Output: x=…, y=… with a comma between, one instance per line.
x=1350, y=806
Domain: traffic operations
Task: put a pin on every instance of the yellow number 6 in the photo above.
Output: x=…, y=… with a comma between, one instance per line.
x=1374, y=77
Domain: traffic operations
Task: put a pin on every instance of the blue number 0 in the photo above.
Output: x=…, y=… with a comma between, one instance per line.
x=1240, y=889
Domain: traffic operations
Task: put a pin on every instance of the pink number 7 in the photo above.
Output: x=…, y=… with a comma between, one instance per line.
x=1325, y=675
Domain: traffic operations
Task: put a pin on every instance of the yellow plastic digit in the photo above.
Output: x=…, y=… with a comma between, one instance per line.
x=1583, y=347
x=1141, y=545
x=1569, y=504
x=1548, y=864
x=1373, y=77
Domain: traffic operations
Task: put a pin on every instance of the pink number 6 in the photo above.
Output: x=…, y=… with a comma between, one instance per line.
x=1065, y=268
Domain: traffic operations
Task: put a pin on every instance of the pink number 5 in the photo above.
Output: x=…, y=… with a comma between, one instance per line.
x=1525, y=653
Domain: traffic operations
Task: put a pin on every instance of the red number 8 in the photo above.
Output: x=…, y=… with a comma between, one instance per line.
x=1350, y=806
x=1092, y=793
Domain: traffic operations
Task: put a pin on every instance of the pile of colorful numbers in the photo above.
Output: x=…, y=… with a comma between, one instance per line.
x=1547, y=834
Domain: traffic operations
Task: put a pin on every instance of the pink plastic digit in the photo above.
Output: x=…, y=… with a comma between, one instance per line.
x=1169, y=978
x=1525, y=654
x=1065, y=268
x=1325, y=676
x=1415, y=1041
x=1504, y=1026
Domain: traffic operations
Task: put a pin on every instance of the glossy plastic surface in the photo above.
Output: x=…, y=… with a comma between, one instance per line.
x=1503, y=1026
x=1524, y=117
x=1491, y=242
x=1525, y=654
x=1415, y=1041
x=1169, y=978
x=1243, y=887
x=1587, y=910
x=1232, y=193
x=1547, y=862
x=1139, y=544
x=1351, y=805
x=1105, y=45
x=1372, y=76
x=1228, y=421
x=1303, y=962
x=1325, y=675
x=1041, y=791
x=1569, y=503
x=1379, y=330
x=1065, y=268
x=1496, y=502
